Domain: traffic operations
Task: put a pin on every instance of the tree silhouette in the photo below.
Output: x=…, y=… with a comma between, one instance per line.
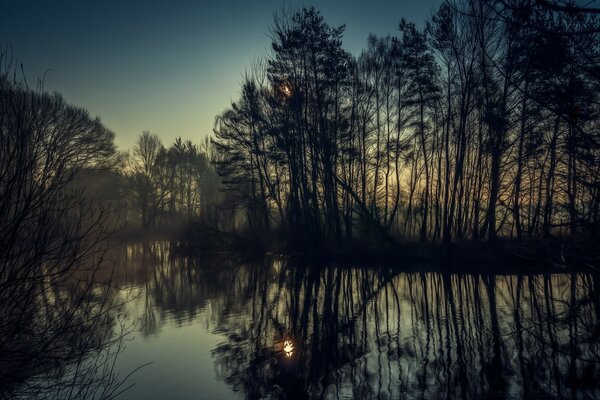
x=481, y=125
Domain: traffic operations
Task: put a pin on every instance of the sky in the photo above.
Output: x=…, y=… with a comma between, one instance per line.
x=169, y=67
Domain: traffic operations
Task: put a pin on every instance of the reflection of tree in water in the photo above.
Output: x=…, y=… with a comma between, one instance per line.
x=65, y=345
x=173, y=286
x=369, y=333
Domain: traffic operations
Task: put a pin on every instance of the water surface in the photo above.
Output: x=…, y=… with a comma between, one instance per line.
x=220, y=328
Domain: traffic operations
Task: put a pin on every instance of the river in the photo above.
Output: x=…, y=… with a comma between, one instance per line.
x=223, y=327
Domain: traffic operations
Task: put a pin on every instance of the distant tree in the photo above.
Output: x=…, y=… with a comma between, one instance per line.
x=187, y=165
x=149, y=181
x=166, y=186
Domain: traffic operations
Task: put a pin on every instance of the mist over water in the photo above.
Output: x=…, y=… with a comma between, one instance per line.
x=222, y=327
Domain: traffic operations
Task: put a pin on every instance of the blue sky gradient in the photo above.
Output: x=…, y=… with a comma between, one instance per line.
x=167, y=67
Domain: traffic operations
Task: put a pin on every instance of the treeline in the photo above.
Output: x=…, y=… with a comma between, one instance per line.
x=482, y=124
x=169, y=186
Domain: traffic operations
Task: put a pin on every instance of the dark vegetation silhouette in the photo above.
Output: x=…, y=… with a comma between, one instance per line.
x=482, y=125
x=58, y=335
x=168, y=186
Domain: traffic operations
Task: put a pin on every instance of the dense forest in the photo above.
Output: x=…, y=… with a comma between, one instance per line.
x=483, y=124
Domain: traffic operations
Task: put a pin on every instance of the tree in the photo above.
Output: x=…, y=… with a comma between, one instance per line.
x=49, y=234
x=149, y=181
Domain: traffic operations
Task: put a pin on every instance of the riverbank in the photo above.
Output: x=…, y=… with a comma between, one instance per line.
x=504, y=255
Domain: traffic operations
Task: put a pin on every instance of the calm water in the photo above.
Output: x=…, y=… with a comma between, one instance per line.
x=222, y=328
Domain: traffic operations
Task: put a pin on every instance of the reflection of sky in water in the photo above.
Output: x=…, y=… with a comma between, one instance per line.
x=221, y=329
x=182, y=366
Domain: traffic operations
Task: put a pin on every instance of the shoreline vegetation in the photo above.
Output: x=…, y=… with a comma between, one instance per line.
x=504, y=256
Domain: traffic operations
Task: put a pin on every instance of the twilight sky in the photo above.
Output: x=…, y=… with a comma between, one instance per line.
x=167, y=66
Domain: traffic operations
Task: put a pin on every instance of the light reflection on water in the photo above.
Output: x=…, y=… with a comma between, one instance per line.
x=222, y=328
